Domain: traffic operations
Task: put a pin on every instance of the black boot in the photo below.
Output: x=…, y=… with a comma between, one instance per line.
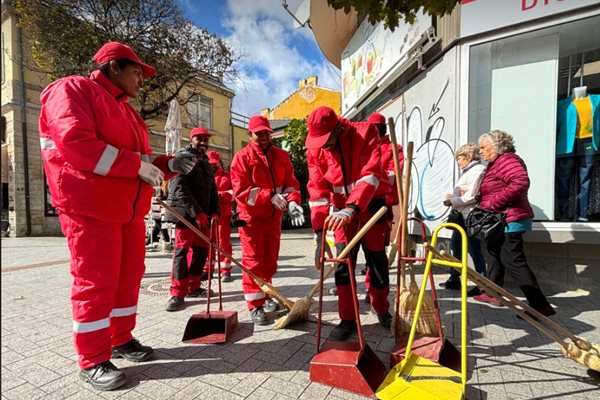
x=258, y=316
x=343, y=331
x=103, y=376
x=385, y=320
x=175, y=304
x=133, y=351
x=271, y=305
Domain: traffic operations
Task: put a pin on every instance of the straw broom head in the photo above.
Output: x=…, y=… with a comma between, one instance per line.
x=427, y=324
x=584, y=353
x=298, y=313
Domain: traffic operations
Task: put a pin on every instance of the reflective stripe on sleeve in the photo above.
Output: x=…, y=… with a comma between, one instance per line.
x=317, y=203
x=106, y=160
x=123, y=312
x=47, y=144
x=252, y=196
x=84, y=327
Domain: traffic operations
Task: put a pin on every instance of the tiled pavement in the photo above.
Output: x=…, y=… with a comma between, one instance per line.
x=507, y=358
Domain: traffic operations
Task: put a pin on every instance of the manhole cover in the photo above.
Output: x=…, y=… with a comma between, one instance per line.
x=156, y=288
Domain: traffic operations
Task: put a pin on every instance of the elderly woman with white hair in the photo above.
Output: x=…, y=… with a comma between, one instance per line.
x=504, y=188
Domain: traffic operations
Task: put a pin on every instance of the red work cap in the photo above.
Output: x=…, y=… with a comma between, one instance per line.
x=116, y=51
x=376, y=118
x=320, y=123
x=199, y=131
x=259, y=123
x=213, y=157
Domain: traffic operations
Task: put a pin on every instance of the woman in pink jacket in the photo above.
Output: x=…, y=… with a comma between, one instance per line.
x=504, y=188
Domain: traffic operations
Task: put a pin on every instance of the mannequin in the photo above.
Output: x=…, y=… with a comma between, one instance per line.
x=579, y=92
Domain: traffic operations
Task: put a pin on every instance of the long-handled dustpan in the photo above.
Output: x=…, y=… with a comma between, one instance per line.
x=349, y=366
x=215, y=326
x=416, y=377
x=432, y=347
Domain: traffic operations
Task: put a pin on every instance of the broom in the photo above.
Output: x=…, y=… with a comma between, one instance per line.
x=301, y=308
x=398, y=173
x=264, y=286
x=579, y=350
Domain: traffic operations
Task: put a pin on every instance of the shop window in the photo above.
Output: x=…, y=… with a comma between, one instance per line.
x=543, y=88
x=200, y=111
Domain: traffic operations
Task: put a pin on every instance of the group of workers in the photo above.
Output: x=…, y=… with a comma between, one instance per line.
x=101, y=174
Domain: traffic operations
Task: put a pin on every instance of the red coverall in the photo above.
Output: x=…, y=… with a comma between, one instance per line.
x=391, y=199
x=256, y=177
x=223, y=181
x=352, y=175
x=92, y=141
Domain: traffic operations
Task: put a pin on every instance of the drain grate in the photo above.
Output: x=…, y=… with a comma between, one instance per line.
x=156, y=288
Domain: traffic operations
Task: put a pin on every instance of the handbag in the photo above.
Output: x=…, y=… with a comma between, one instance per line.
x=456, y=217
x=485, y=224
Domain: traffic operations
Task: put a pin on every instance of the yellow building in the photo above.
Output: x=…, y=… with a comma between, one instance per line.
x=26, y=208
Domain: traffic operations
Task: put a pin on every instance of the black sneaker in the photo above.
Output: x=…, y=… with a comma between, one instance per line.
x=226, y=277
x=385, y=320
x=133, y=351
x=451, y=284
x=258, y=316
x=103, y=376
x=271, y=305
x=175, y=304
x=343, y=331
x=200, y=292
x=474, y=292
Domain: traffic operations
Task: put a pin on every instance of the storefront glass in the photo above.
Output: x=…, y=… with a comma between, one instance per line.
x=543, y=87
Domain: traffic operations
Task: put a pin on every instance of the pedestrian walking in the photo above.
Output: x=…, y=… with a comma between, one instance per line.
x=100, y=171
x=264, y=186
x=344, y=163
x=462, y=200
x=504, y=189
x=156, y=214
x=194, y=196
x=225, y=192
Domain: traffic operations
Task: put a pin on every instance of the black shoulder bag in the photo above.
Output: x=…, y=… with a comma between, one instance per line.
x=485, y=224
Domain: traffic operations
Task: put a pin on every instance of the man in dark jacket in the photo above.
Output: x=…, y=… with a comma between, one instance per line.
x=194, y=196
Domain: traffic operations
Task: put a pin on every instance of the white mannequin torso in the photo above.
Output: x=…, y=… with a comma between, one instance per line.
x=579, y=92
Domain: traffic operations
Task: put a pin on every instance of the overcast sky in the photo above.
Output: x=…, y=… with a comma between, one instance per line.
x=275, y=55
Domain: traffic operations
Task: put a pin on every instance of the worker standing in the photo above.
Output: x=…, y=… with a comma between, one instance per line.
x=344, y=164
x=264, y=186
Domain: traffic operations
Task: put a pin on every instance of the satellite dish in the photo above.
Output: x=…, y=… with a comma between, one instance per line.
x=302, y=14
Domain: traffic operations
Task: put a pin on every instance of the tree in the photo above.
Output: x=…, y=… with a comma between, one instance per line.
x=390, y=11
x=295, y=136
x=65, y=34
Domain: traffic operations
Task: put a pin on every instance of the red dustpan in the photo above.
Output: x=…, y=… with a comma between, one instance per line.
x=349, y=366
x=216, y=326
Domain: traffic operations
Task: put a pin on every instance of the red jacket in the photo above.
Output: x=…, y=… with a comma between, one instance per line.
x=92, y=141
x=359, y=181
x=387, y=161
x=504, y=187
x=223, y=181
x=256, y=177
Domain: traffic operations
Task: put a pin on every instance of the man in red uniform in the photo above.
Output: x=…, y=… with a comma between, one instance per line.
x=344, y=164
x=223, y=181
x=264, y=185
x=387, y=162
x=194, y=196
x=100, y=171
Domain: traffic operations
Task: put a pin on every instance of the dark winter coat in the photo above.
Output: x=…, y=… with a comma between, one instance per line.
x=504, y=187
x=195, y=192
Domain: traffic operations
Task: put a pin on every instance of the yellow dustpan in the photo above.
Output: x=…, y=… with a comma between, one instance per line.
x=416, y=377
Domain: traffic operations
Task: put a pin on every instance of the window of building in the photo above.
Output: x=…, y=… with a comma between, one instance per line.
x=543, y=88
x=200, y=111
x=49, y=210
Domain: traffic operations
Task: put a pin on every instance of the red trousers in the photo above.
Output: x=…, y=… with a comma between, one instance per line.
x=224, y=243
x=377, y=280
x=187, y=268
x=107, y=265
x=260, y=249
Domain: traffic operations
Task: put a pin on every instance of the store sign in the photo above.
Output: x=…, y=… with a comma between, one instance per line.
x=478, y=16
x=374, y=51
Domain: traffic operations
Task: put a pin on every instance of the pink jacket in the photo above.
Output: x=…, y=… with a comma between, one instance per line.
x=92, y=143
x=504, y=187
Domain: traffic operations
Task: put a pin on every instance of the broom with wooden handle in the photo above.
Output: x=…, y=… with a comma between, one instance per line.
x=264, y=286
x=301, y=308
x=398, y=173
x=580, y=350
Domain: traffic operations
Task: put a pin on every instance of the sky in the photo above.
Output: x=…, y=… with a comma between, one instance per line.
x=275, y=55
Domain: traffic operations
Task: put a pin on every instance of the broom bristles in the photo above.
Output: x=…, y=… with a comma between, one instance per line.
x=427, y=324
x=588, y=358
x=298, y=313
